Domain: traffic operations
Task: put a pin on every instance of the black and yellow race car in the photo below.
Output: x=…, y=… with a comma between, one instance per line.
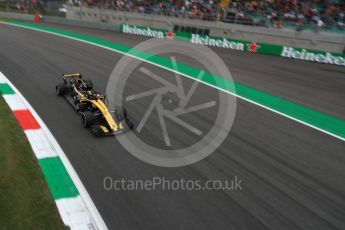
x=92, y=106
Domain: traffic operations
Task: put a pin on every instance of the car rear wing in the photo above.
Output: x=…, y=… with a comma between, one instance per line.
x=74, y=75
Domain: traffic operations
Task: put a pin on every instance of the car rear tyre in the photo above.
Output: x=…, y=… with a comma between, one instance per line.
x=87, y=118
x=60, y=89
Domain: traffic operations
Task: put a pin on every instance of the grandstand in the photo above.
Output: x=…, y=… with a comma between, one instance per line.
x=325, y=15
x=297, y=14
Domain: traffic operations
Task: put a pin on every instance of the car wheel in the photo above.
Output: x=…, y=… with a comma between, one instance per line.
x=87, y=118
x=60, y=89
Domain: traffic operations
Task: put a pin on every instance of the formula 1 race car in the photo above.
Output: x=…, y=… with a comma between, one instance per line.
x=92, y=106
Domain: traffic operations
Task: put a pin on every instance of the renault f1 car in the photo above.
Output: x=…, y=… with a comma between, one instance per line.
x=92, y=106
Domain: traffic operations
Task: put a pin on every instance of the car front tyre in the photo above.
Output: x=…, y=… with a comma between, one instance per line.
x=87, y=119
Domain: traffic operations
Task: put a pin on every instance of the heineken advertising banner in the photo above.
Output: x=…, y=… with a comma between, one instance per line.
x=143, y=31
x=233, y=44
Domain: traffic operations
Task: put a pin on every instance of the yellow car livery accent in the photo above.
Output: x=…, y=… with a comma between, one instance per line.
x=105, y=130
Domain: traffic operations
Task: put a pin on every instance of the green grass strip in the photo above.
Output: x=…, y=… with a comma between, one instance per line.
x=59, y=182
x=311, y=117
x=5, y=89
x=25, y=200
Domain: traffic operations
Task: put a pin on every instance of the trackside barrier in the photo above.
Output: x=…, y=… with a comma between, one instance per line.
x=241, y=45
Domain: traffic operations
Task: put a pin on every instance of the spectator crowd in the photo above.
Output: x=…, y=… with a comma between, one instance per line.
x=277, y=13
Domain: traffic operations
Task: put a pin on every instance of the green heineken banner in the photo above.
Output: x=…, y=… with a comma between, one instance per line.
x=233, y=44
x=143, y=31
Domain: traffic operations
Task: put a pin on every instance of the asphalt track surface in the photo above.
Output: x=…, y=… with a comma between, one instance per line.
x=292, y=175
